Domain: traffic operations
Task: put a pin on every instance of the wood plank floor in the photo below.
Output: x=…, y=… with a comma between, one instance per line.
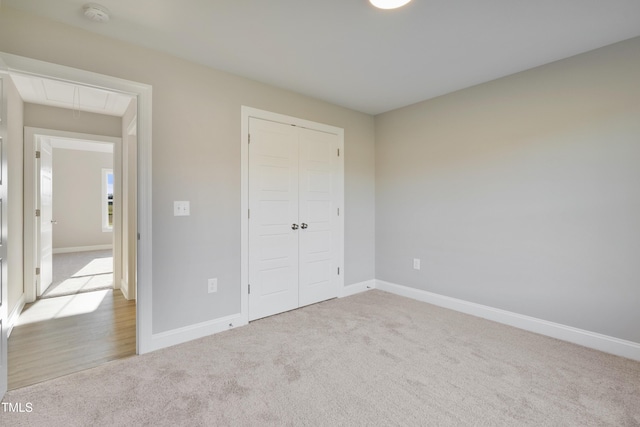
x=42, y=350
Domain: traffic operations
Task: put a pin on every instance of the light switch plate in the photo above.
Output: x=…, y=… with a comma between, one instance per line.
x=416, y=263
x=212, y=285
x=181, y=209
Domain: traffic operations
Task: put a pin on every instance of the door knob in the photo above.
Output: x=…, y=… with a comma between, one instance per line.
x=294, y=226
x=303, y=226
x=53, y=221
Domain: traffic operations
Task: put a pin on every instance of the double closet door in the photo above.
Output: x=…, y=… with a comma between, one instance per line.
x=294, y=227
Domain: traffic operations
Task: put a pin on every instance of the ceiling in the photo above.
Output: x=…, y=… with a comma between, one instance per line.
x=351, y=54
x=37, y=90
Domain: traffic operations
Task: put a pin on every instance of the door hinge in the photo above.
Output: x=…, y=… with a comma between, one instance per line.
x=338, y=271
x=248, y=213
x=37, y=212
x=37, y=271
x=249, y=138
x=249, y=289
x=338, y=211
x=37, y=154
x=138, y=236
x=338, y=152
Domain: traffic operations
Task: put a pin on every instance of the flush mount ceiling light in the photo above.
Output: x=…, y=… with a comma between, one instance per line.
x=388, y=4
x=96, y=12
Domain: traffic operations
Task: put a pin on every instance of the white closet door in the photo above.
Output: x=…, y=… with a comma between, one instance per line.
x=318, y=216
x=273, y=207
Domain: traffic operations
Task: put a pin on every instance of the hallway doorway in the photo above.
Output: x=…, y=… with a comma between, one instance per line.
x=76, y=316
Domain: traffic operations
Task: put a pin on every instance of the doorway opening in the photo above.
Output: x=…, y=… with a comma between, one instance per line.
x=80, y=308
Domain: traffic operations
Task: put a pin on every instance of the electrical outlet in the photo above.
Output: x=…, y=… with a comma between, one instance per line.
x=416, y=263
x=213, y=285
x=181, y=209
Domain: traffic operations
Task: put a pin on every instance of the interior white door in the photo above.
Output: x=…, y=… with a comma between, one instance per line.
x=318, y=216
x=273, y=218
x=46, y=216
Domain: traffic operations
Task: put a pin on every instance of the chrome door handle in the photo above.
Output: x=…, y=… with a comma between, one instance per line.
x=303, y=226
x=294, y=226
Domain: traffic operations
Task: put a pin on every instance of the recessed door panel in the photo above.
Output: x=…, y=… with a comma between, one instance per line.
x=274, y=281
x=319, y=273
x=318, y=242
x=274, y=141
x=320, y=211
x=318, y=149
x=318, y=181
x=275, y=247
x=275, y=178
x=274, y=213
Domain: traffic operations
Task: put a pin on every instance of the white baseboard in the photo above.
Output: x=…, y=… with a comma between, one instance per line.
x=188, y=333
x=192, y=332
x=124, y=288
x=605, y=343
x=356, y=288
x=15, y=313
x=82, y=249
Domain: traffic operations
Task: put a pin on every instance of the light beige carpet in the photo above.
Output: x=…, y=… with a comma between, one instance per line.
x=369, y=359
x=78, y=272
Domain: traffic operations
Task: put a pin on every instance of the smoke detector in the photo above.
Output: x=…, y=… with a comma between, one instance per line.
x=96, y=12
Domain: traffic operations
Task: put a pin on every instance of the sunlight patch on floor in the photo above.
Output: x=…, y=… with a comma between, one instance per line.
x=65, y=306
x=96, y=266
x=82, y=284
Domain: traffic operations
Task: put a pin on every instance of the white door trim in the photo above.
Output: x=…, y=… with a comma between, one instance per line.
x=143, y=92
x=29, y=237
x=246, y=113
x=4, y=232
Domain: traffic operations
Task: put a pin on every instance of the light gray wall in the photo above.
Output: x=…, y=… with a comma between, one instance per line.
x=46, y=117
x=15, y=213
x=522, y=193
x=77, y=198
x=196, y=157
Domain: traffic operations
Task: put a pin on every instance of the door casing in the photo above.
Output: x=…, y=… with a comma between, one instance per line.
x=4, y=229
x=31, y=230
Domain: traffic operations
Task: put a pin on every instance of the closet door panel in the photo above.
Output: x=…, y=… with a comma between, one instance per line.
x=273, y=207
x=318, y=215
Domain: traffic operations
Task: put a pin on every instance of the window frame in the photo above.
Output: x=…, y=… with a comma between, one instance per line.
x=104, y=195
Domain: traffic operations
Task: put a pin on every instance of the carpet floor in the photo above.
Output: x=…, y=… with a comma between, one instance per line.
x=369, y=359
x=78, y=272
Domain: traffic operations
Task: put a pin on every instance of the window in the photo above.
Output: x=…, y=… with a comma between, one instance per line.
x=107, y=200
